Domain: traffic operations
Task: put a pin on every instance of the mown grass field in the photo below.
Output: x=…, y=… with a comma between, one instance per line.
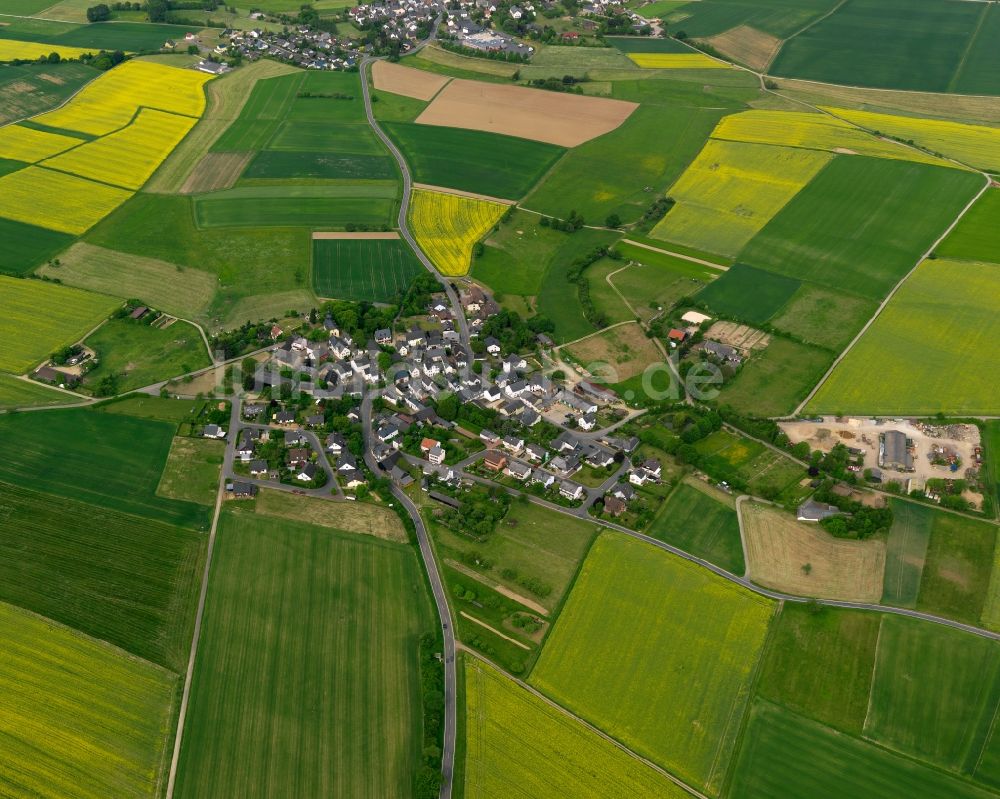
x=191, y=472
x=77, y=717
x=472, y=160
x=313, y=635
x=519, y=745
x=129, y=581
x=30, y=335
x=703, y=525
x=544, y=550
x=638, y=620
x=786, y=756
x=958, y=567
x=862, y=223
x=112, y=461
x=446, y=226
x=610, y=174
x=821, y=316
x=977, y=236
x=934, y=693
x=906, y=553
x=732, y=190
x=775, y=381
x=262, y=263
x=170, y=287
x=363, y=269
x=953, y=372
x=820, y=664
x=15, y=393
x=140, y=355
x=893, y=45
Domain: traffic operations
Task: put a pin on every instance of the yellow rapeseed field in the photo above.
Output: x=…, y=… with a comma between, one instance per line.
x=57, y=201
x=732, y=190
x=813, y=131
x=11, y=49
x=27, y=144
x=975, y=145
x=676, y=61
x=446, y=227
x=129, y=156
x=110, y=102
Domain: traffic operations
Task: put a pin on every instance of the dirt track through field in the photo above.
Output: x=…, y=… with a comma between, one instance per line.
x=409, y=82
x=459, y=193
x=500, y=589
x=557, y=118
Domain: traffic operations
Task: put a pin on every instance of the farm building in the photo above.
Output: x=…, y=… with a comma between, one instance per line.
x=810, y=511
x=894, y=451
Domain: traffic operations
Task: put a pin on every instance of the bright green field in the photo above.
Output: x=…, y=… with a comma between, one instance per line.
x=778, y=17
x=977, y=236
x=702, y=525
x=328, y=213
x=16, y=393
x=906, y=552
x=141, y=355
x=302, y=164
x=895, y=44
x=472, y=160
x=637, y=626
x=956, y=370
x=363, y=269
x=519, y=745
x=39, y=318
x=820, y=664
x=749, y=294
x=934, y=693
x=823, y=316
x=132, y=582
x=774, y=382
x=312, y=635
x=958, y=566
x=108, y=460
x=785, y=756
x=77, y=718
x=862, y=223
x=101, y=35
x=247, y=261
x=610, y=174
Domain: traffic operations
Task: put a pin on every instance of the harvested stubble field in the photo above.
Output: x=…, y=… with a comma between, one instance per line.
x=637, y=624
x=747, y=45
x=77, y=717
x=797, y=558
x=269, y=651
x=732, y=190
x=617, y=353
x=30, y=335
x=122, y=579
x=110, y=102
x=563, y=119
x=356, y=517
x=814, y=131
x=406, y=81
x=128, y=156
x=956, y=371
x=519, y=745
x=174, y=289
x=447, y=226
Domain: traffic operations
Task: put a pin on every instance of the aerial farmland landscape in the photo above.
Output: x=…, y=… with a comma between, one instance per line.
x=472, y=399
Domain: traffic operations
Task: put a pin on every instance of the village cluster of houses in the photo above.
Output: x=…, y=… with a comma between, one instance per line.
x=301, y=46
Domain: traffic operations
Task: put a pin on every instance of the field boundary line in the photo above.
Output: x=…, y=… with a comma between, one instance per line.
x=802, y=30
x=493, y=630
x=595, y=333
x=871, y=681
x=989, y=737
x=888, y=297
x=596, y=730
x=471, y=195
x=968, y=47
x=200, y=615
